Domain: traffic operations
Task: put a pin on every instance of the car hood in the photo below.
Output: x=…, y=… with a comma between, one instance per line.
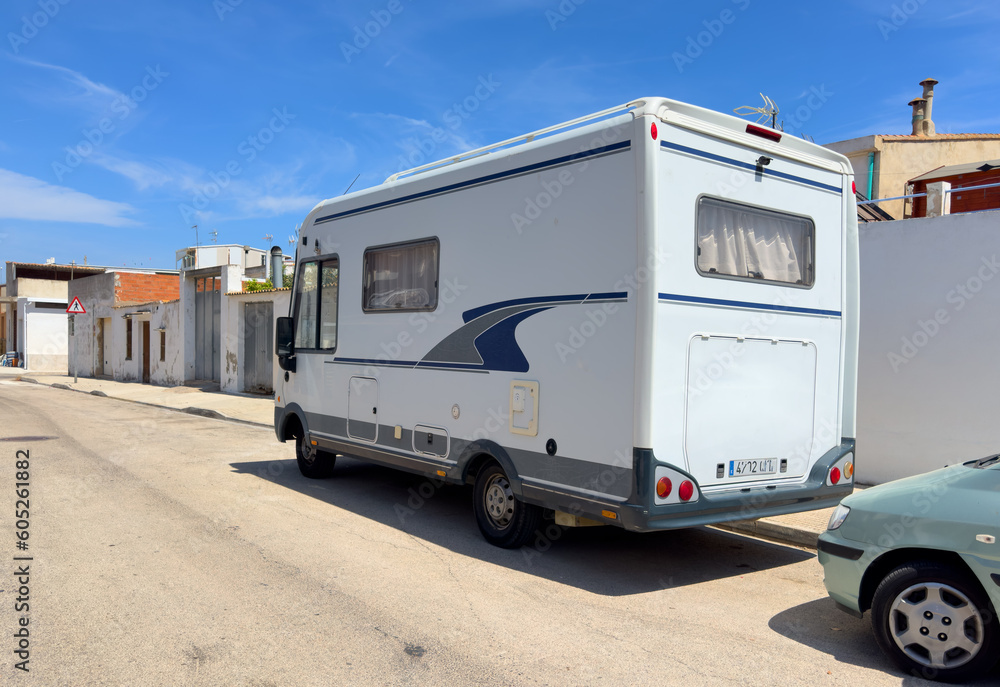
x=954, y=504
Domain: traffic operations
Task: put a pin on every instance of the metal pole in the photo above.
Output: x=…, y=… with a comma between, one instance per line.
x=72, y=329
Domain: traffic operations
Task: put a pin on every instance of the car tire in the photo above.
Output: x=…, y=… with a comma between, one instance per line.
x=503, y=520
x=313, y=463
x=935, y=622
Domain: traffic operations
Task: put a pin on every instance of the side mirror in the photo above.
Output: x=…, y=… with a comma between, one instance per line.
x=284, y=337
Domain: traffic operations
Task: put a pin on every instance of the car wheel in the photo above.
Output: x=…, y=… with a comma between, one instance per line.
x=313, y=463
x=503, y=519
x=935, y=622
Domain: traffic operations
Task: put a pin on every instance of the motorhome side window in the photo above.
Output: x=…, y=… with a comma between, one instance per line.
x=743, y=242
x=402, y=277
x=316, y=305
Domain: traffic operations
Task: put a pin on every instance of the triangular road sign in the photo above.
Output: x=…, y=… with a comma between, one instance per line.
x=76, y=308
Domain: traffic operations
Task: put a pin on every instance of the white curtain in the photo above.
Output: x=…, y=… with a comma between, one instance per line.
x=401, y=278
x=742, y=241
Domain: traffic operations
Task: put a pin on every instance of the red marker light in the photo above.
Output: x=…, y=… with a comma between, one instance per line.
x=663, y=487
x=835, y=475
x=652, y=131
x=854, y=188
x=685, y=491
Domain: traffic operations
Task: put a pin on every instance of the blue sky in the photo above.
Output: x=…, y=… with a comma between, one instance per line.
x=124, y=124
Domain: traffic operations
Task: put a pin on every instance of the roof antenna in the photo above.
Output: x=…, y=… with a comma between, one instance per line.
x=352, y=184
x=763, y=113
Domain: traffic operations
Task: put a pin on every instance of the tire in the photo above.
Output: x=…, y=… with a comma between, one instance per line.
x=313, y=463
x=935, y=622
x=503, y=519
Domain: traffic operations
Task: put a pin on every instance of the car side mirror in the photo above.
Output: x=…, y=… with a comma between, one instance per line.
x=284, y=337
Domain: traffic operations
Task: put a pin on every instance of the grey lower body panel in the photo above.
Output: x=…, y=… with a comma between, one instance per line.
x=616, y=494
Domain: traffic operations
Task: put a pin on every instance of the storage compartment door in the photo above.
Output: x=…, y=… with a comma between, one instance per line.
x=362, y=409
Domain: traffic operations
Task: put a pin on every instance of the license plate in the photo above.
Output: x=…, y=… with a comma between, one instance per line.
x=760, y=466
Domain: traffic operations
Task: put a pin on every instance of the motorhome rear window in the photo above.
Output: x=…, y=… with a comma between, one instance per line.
x=738, y=241
x=402, y=277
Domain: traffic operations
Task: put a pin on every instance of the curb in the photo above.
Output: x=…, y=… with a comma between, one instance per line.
x=190, y=410
x=773, y=531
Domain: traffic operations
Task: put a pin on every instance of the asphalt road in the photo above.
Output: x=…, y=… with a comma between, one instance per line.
x=170, y=549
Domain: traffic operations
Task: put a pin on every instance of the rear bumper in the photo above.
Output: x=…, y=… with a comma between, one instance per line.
x=639, y=514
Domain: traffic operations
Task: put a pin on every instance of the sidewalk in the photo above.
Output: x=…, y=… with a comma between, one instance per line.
x=797, y=529
x=208, y=402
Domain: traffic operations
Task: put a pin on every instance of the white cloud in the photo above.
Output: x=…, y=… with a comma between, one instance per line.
x=26, y=198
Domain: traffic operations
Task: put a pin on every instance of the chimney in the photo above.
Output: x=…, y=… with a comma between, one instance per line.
x=928, y=85
x=277, y=267
x=918, y=116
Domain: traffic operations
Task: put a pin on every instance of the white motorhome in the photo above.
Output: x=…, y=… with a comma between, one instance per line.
x=647, y=317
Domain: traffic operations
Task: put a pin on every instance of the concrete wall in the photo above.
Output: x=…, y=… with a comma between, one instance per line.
x=234, y=334
x=928, y=369
x=168, y=372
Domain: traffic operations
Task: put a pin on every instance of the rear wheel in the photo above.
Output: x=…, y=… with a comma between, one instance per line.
x=935, y=622
x=313, y=463
x=503, y=519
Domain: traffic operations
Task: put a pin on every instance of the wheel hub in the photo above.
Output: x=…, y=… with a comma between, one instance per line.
x=499, y=501
x=936, y=625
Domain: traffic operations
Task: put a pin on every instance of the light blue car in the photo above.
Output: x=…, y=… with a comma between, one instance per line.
x=922, y=554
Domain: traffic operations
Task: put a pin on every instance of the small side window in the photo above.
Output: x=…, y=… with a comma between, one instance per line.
x=744, y=242
x=402, y=277
x=316, y=292
x=306, y=306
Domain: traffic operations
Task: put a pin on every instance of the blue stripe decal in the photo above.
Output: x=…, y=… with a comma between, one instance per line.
x=614, y=295
x=743, y=304
x=369, y=361
x=470, y=315
x=746, y=165
x=594, y=152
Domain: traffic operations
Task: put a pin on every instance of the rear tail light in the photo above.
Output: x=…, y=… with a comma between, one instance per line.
x=769, y=134
x=663, y=487
x=835, y=475
x=849, y=470
x=685, y=491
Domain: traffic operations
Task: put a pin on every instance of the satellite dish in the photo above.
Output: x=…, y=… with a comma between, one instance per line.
x=770, y=110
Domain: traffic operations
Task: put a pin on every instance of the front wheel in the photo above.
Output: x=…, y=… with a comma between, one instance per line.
x=503, y=519
x=313, y=463
x=935, y=622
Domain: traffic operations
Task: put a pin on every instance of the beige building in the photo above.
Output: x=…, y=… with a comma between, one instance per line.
x=884, y=164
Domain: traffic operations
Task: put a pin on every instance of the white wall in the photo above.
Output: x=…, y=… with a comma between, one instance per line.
x=930, y=327
x=234, y=333
x=43, y=336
